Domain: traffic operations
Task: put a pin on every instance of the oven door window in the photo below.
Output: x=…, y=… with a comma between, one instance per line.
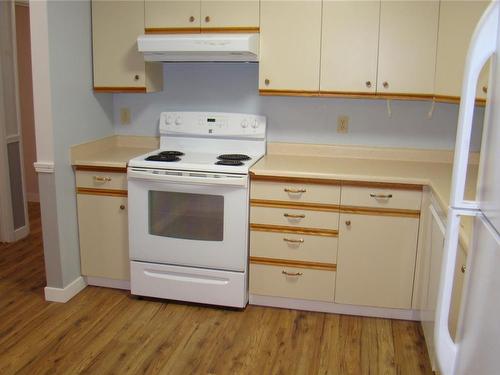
x=187, y=216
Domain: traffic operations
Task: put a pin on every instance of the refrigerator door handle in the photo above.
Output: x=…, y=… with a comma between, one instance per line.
x=482, y=46
x=446, y=349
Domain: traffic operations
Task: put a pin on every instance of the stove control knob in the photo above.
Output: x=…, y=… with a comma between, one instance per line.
x=178, y=120
x=244, y=124
x=168, y=119
x=255, y=124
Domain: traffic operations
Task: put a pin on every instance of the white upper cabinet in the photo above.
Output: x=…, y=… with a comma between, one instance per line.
x=457, y=20
x=407, y=47
x=349, y=46
x=290, y=41
x=181, y=14
x=196, y=15
x=230, y=14
x=118, y=65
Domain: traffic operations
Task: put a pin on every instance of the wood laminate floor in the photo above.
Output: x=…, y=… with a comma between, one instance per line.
x=105, y=331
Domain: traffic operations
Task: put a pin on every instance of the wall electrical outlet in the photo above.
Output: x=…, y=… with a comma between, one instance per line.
x=125, y=115
x=342, y=124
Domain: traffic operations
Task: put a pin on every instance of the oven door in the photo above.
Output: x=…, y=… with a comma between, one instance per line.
x=188, y=218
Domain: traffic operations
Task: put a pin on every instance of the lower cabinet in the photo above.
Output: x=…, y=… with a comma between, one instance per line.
x=376, y=260
x=292, y=282
x=102, y=224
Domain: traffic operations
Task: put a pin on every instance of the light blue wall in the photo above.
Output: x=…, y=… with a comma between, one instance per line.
x=234, y=88
x=79, y=116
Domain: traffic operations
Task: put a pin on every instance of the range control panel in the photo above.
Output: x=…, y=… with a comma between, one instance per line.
x=213, y=124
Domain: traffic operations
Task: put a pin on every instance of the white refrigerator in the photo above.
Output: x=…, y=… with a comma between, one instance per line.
x=476, y=350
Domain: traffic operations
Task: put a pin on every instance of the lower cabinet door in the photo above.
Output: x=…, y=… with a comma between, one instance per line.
x=376, y=260
x=102, y=223
x=292, y=282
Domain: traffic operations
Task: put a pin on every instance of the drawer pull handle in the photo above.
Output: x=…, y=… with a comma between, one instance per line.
x=381, y=196
x=463, y=268
x=300, y=240
x=102, y=179
x=291, y=273
x=294, y=191
x=294, y=216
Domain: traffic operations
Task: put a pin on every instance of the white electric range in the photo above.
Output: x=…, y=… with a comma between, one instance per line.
x=189, y=208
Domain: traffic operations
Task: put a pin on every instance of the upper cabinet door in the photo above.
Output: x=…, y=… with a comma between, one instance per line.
x=290, y=33
x=166, y=14
x=457, y=20
x=240, y=15
x=407, y=47
x=349, y=46
x=115, y=28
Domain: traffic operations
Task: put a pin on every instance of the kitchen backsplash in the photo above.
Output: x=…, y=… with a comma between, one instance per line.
x=231, y=87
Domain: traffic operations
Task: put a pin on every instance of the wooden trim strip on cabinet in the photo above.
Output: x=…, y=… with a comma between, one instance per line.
x=108, y=192
x=294, y=263
x=172, y=30
x=294, y=205
x=407, y=96
x=383, y=185
x=103, y=89
x=234, y=30
x=294, y=230
x=268, y=92
x=91, y=168
x=304, y=180
x=380, y=211
x=456, y=100
x=347, y=94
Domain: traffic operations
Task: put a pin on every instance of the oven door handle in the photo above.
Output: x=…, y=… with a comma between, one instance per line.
x=192, y=178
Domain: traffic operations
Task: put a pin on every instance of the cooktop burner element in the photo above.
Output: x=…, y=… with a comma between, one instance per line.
x=229, y=162
x=166, y=158
x=234, y=157
x=171, y=153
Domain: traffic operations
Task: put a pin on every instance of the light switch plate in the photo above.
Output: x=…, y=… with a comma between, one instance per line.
x=342, y=124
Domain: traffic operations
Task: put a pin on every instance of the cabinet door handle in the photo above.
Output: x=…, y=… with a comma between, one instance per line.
x=291, y=273
x=381, y=196
x=386, y=85
x=292, y=240
x=368, y=84
x=294, y=216
x=267, y=82
x=463, y=268
x=348, y=223
x=122, y=207
x=294, y=191
x=207, y=19
x=485, y=89
x=136, y=77
x=191, y=19
x=102, y=179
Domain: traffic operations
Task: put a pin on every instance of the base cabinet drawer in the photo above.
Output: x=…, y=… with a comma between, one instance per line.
x=399, y=199
x=101, y=180
x=293, y=246
x=296, y=192
x=292, y=282
x=292, y=217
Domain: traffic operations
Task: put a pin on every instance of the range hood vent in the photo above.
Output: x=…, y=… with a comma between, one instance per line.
x=199, y=47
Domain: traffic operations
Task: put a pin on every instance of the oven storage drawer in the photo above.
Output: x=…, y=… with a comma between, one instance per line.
x=188, y=284
x=292, y=217
x=101, y=180
x=293, y=246
x=295, y=192
x=381, y=198
x=311, y=284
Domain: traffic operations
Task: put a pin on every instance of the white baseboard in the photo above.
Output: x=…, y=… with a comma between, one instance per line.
x=108, y=283
x=65, y=294
x=331, y=307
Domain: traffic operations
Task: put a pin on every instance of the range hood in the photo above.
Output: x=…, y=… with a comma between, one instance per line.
x=199, y=47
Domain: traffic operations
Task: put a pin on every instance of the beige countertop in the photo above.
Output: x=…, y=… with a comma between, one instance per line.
x=114, y=151
x=416, y=167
